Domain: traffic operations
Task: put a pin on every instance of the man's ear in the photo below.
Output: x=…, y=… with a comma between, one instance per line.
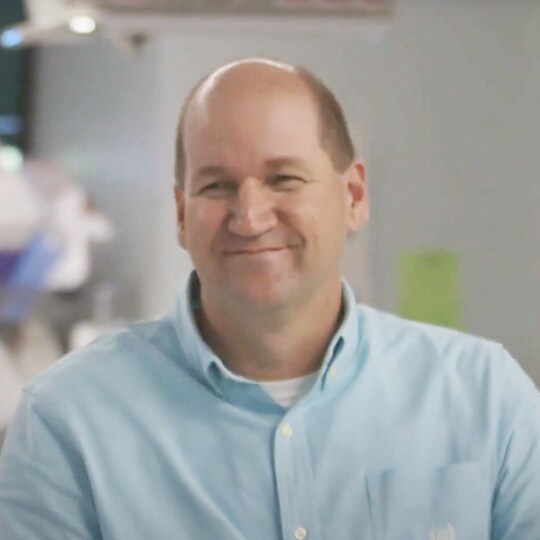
x=180, y=215
x=357, y=197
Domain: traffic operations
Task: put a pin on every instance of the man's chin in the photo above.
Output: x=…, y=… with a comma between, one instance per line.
x=264, y=295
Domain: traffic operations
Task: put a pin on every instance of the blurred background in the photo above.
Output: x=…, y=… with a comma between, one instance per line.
x=443, y=102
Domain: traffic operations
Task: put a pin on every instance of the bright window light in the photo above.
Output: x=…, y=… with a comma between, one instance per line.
x=11, y=158
x=82, y=24
x=11, y=38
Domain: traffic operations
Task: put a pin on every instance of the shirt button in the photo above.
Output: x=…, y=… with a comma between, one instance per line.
x=287, y=431
x=300, y=533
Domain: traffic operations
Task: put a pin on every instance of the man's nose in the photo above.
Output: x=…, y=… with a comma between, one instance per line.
x=252, y=211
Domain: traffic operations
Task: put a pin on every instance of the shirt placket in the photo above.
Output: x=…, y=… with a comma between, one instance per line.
x=294, y=479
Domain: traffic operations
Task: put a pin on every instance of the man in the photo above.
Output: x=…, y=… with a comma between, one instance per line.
x=268, y=404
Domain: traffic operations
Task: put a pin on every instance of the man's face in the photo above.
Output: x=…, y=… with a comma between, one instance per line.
x=263, y=214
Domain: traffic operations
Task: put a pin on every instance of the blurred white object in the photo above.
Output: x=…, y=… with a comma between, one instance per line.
x=72, y=221
x=11, y=158
x=21, y=211
x=46, y=12
x=82, y=24
x=76, y=224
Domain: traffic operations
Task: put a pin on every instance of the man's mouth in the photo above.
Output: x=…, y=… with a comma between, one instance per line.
x=256, y=251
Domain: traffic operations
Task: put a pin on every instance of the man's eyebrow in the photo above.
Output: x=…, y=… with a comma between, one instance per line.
x=217, y=170
x=286, y=161
x=210, y=170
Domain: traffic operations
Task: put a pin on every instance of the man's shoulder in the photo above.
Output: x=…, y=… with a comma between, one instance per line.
x=133, y=348
x=391, y=328
x=423, y=343
x=415, y=351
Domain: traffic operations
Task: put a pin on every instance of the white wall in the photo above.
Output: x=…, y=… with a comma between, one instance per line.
x=446, y=106
x=457, y=118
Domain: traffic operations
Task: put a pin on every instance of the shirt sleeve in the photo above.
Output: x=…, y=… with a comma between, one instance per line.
x=516, y=502
x=44, y=490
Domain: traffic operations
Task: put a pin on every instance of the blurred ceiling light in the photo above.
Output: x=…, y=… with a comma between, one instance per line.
x=82, y=24
x=51, y=22
x=11, y=158
x=11, y=38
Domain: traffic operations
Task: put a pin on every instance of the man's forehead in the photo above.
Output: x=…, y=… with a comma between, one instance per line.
x=275, y=126
x=248, y=105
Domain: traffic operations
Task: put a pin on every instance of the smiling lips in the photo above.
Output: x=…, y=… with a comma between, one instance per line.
x=256, y=251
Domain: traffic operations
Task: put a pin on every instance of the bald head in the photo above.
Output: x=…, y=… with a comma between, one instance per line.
x=261, y=78
x=249, y=75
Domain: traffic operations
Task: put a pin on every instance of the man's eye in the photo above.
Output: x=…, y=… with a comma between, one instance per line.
x=211, y=187
x=216, y=187
x=286, y=180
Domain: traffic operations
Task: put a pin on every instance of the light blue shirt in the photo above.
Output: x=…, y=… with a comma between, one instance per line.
x=411, y=432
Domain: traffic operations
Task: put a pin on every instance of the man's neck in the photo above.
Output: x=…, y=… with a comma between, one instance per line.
x=274, y=347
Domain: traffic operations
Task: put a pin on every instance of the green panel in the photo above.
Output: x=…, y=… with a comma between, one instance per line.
x=429, y=287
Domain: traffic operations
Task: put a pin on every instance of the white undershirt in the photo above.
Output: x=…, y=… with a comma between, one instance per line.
x=287, y=392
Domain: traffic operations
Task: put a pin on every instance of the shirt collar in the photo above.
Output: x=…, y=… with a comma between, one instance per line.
x=210, y=369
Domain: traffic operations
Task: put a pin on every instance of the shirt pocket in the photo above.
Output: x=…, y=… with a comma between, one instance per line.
x=445, y=503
